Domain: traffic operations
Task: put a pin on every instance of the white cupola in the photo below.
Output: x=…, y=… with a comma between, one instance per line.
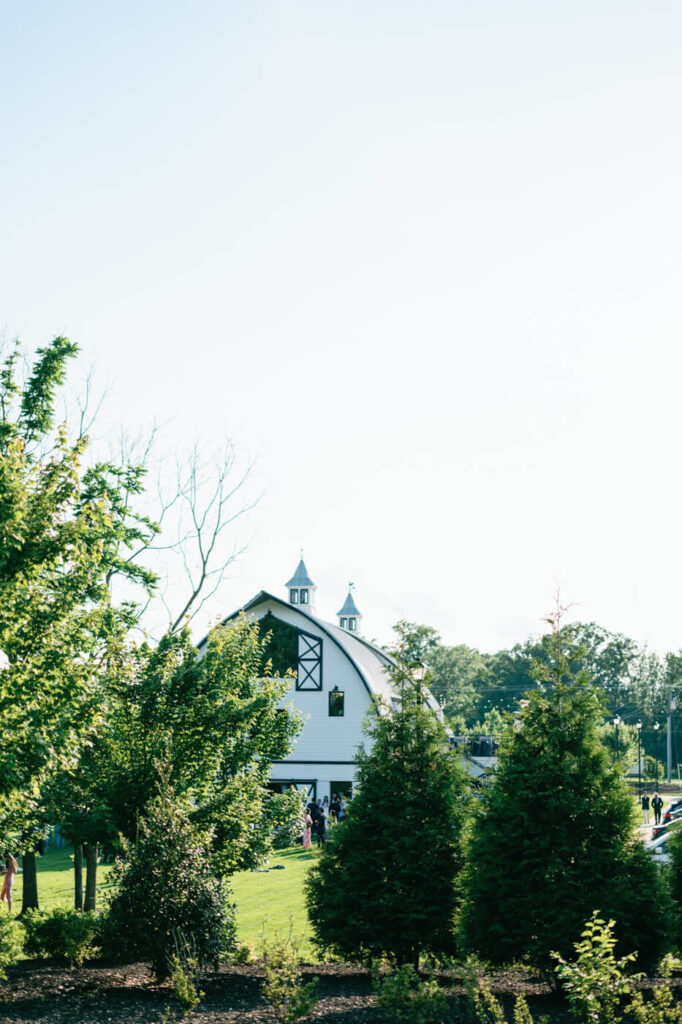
x=302, y=589
x=349, y=616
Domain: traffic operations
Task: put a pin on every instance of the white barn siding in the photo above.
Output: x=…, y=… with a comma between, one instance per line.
x=323, y=739
x=325, y=749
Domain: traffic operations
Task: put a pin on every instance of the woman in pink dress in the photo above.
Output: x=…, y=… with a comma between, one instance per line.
x=9, y=871
x=308, y=824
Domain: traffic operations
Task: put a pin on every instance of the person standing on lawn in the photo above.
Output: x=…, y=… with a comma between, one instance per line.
x=314, y=812
x=9, y=871
x=657, y=805
x=322, y=828
x=645, y=808
x=307, y=826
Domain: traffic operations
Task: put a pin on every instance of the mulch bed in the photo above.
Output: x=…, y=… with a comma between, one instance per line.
x=105, y=993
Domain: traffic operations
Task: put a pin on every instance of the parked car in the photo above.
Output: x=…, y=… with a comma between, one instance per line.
x=661, y=830
x=657, y=847
x=673, y=811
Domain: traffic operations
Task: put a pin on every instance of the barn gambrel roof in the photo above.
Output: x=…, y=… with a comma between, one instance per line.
x=370, y=661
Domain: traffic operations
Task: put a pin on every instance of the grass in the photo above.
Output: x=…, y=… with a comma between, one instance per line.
x=271, y=903
x=56, y=881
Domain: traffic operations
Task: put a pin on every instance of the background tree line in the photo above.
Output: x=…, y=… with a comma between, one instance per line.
x=476, y=689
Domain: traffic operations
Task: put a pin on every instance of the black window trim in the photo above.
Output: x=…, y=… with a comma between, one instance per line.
x=336, y=693
x=317, y=640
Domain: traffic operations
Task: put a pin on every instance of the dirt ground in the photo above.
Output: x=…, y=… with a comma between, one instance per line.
x=102, y=993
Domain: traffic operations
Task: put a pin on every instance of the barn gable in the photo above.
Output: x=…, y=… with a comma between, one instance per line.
x=339, y=677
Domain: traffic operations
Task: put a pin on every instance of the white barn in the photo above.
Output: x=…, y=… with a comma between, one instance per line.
x=338, y=677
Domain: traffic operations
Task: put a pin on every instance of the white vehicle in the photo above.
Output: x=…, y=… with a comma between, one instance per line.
x=658, y=849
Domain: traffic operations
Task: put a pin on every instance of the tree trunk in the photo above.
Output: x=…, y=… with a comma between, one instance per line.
x=78, y=875
x=29, y=898
x=90, y=876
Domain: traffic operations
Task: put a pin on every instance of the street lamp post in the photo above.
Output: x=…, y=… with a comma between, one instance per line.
x=616, y=722
x=639, y=758
x=657, y=726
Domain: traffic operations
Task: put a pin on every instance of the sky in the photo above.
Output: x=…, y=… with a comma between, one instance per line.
x=421, y=262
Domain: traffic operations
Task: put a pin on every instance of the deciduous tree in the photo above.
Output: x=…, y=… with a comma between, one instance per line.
x=62, y=527
x=215, y=721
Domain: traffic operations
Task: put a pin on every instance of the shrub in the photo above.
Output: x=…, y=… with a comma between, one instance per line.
x=522, y=1014
x=661, y=1008
x=674, y=848
x=481, y=1006
x=594, y=982
x=405, y=999
x=284, y=989
x=243, y=953
x=11, y=944
x=62, y=933
x=184, y=982
x=166, y=888
x=185, y=975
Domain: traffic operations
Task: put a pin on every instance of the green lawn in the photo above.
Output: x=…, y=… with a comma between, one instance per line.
x=271, y=899
x=271, y=902
x=55, y=881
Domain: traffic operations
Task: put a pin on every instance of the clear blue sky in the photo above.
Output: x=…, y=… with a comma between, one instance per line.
x=423, y=258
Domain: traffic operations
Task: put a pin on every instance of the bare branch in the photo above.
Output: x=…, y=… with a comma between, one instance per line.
x=88, y=417
x=210, y=516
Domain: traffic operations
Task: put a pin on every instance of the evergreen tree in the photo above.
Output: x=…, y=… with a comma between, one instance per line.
x=674, y=875
x=386, y=880
x=556, y=839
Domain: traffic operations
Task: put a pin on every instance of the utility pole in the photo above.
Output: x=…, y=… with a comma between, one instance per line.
x=672, y=704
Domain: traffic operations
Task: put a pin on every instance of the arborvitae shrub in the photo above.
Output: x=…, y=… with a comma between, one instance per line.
x=556, y=836
x=386, y=881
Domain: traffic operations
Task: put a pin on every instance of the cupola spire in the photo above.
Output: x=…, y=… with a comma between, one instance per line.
x=301, y=587
x=349, y=616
